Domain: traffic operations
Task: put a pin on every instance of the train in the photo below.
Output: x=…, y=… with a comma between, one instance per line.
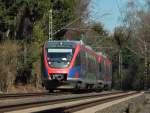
x=74, y=65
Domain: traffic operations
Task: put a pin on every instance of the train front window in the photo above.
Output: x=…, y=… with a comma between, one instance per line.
x=59, y=58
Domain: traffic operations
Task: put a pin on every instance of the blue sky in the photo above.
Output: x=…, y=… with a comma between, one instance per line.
x=98, y=9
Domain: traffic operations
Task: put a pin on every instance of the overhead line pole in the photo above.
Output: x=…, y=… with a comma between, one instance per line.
x=120, y=52
x=50, y=24
x=145, y=62
x=146, y=68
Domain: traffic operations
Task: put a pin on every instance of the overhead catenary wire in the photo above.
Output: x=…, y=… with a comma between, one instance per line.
x=67, y=25
x=77, y=19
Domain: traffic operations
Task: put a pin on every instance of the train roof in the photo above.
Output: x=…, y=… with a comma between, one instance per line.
x=101, y=54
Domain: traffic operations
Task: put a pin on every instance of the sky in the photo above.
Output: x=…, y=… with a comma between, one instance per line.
x=107, y=12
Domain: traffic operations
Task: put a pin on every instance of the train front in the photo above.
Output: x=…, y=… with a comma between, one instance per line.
x=58, y=60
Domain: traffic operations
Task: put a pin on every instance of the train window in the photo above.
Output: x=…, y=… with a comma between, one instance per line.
x=58, y=57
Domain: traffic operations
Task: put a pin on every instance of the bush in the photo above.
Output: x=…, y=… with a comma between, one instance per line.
x=20, y=64
x=8, y=63
x=35, y=58
x=29, y=71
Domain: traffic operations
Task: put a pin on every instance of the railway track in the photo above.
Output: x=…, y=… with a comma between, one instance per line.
x=97, y=99
x=26, y=95
x=21, y=95
x=84, y=105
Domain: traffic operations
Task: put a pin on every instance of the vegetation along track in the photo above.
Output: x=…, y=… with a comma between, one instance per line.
x=37, y=103
x=22, y=95
x=26, y=95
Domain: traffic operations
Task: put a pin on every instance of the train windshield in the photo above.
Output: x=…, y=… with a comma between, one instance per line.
x=59, y=58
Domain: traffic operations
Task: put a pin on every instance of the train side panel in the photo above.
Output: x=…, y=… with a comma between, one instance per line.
x=85, y=67
x=105, y=76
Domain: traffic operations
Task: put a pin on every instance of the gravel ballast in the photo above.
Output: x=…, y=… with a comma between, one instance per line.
x=134, y=105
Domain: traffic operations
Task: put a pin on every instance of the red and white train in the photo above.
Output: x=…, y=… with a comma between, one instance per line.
x=72, y=64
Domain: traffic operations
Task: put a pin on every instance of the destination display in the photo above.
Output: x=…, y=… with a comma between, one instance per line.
x=60, y=45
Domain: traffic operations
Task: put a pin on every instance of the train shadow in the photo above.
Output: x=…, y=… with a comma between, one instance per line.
x=79, y=91
x=57, y=110
x=74, y=91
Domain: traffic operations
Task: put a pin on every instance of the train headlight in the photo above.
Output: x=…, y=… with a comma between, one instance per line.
x=49, y=63
x=64, y=59
x=68, y=63
x=49, y=77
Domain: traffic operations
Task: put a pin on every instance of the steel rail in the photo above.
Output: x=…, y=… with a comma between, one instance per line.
x=81, y=106
x=21, y=95
x=78, y=107
x=17, y=106
x=24, y=95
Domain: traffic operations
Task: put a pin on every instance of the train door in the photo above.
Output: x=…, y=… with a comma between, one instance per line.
x=77, y=66
x=100, y=71
x=83, y=64
x=103, y=69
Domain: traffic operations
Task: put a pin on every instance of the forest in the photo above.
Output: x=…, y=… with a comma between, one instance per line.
x=24, y=27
